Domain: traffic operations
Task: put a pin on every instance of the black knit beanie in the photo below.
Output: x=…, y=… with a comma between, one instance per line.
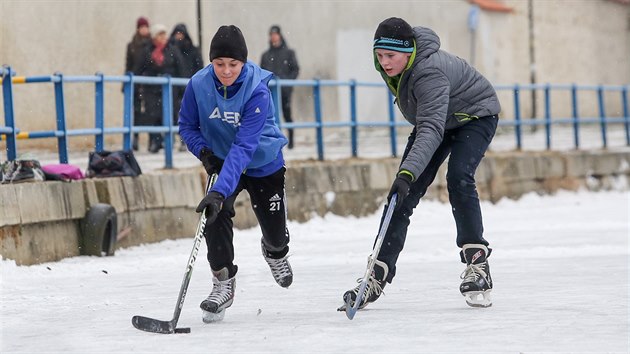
x=228, y=42
x=394, y=34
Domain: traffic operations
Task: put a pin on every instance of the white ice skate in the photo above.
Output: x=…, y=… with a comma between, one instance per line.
x=477, y=282
x=280, y=268
x=221, y=297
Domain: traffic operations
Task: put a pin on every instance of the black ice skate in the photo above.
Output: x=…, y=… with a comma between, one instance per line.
x=477, y=282
x=220, y=298
x=280, y=268
x=374, y=288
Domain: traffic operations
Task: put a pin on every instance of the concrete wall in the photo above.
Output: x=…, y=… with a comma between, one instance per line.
x=587, y=42
x=39, y=222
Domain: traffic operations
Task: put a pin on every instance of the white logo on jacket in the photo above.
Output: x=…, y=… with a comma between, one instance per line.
x=233, y=118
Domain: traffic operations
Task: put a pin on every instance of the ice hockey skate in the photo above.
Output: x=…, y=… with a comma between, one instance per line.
x=374, y=288
x=280, y=268
x=220, y=298
x=477, y=282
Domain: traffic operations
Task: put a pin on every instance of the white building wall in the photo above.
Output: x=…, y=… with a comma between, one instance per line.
x=586, y=42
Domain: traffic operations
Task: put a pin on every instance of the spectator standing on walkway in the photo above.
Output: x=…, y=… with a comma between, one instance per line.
x=134, y=60
x=160, y=59
x=228, y=122
x=281, y=60
x=191, y=63
x=454, y=111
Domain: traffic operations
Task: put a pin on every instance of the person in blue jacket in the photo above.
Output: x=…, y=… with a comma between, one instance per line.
x=227, y=120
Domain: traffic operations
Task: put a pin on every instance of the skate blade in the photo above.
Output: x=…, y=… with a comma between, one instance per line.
x=348, y=303
x=211, y=317
x=478, y=298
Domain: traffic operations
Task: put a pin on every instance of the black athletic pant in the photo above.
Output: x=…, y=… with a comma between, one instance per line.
x=466, y=146
x=269, y=205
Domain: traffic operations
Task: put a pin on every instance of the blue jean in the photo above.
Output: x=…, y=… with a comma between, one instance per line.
x=466, y=145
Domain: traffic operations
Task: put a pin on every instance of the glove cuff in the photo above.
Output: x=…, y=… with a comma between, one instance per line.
x=406, y=175
x=205, y=151
x=217, y=194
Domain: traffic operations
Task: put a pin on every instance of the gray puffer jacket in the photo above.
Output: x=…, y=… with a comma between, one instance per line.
x=437, y=92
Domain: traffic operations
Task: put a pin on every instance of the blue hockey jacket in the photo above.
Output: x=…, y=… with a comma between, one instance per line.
x=236, y=122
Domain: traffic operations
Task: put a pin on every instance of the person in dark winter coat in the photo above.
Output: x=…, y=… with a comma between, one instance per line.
x=227, y=120
x=281, y=60
x=454, y=111
x=191, y=55
x=160, y=59
x=133, y=62
x=192, y=63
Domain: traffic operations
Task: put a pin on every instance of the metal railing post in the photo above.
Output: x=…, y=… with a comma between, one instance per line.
x=602, y=114
x=278, y=102
x=353, y=118
x=517, y=117
x=99, y=108
x=167, y=120
x=61, y=119
x=318, y=119
x=576, y=116
x=392, y=122
x=547, y=117
x=128, y=117
x=626, y=119
x=9, y=114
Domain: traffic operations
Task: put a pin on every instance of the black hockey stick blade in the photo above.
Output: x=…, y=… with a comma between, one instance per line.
x=167, y=327
x=152, y=325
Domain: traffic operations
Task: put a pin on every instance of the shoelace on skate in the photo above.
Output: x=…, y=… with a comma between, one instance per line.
x=279, y=267
x=221, y=291
x=373, y=287
x=472, y=272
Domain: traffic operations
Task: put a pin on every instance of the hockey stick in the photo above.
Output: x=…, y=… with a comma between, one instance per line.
x=352, y=310
x=167, y=327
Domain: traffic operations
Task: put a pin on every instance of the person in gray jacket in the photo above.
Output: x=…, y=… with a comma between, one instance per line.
x=454, y=111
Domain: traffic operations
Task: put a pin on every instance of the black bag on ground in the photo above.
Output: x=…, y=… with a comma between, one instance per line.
x=113, y=164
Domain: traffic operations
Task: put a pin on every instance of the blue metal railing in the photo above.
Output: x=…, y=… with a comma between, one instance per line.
x=10, y=132
x=575, y=120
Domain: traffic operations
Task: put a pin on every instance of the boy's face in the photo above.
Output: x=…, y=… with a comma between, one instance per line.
x=392, y=62
x=227, y=69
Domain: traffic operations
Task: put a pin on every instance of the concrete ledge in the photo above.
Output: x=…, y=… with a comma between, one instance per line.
x=39, y=222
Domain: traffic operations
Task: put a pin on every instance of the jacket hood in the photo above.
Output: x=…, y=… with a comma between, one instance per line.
x=427, y=42
x=180, y=27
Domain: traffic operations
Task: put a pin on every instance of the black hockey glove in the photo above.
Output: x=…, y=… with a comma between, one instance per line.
x=212, y=203
x=210, y=161
x=401, y=187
